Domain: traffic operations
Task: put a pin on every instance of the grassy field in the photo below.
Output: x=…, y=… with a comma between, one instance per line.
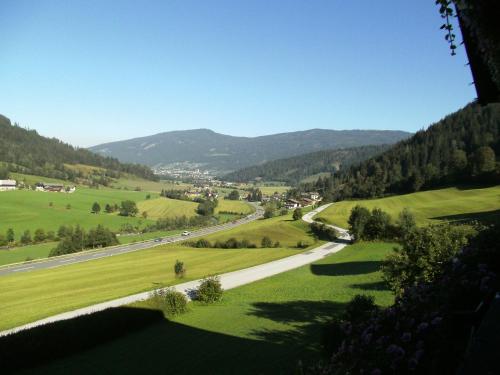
x=25, y=297
x=165, y=207
x=21, y=254
x=131, y=183
x=282, y=229
x=453, y=204
x=262, y=328
x=234, y=206
x=26, y=209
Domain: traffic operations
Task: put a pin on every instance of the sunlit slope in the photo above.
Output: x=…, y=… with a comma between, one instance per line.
x=454, y=204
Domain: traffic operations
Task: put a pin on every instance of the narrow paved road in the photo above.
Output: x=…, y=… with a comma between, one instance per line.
x=228, y=280
x=308, y=218
x=85, y=256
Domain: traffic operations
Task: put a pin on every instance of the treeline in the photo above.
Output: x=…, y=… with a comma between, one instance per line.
x=293, y=170
x=77, y=239
x=233, y=243
x=25, y=151
x=462, y=148
x=179, y=222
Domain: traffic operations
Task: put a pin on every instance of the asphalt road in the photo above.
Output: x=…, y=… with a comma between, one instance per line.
x=85, y=256
x=343, y=233
x=228, y=280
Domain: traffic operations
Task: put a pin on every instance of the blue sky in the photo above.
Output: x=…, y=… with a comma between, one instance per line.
x=89, y=72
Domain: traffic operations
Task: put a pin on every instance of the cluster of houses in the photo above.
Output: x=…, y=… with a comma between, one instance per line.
x=54, y=188
x=6, y=185
x=202, y=192
x=306, y=199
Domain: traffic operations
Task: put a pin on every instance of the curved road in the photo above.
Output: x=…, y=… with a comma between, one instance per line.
x=228, y=280
x=88, y=255
x=343, y=233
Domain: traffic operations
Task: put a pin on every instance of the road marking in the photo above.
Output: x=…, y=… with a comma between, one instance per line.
x=67, y=260
x=22, y=269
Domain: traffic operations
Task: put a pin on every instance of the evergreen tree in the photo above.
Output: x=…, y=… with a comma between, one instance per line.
x=96, y=208
x=10, y=235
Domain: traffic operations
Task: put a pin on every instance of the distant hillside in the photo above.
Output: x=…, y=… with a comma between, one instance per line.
x=25, y=151
x=224, y=153
x=462, y=148
x=293, y=170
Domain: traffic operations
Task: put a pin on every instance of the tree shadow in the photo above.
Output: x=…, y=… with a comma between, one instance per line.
x=373, y=286
x=308, y=319
x=137, y=340
x=487, y=217
x=346, y=268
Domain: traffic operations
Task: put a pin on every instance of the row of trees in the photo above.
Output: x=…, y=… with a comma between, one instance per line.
x=461, y=148
x=126, y=208
x=26, y=238
x=377, y=224
x=77, y=239
x=233, y=243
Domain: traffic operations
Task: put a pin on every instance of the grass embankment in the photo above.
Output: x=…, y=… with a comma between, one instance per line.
x=131, y=183
x=29, y=210
x=265, y=327
x=25, y=253
x=433, y=206
x=29, y=296
x=165, y=207
x=239, y=207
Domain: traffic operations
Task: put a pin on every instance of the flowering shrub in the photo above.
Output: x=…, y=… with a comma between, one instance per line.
x=427, y=329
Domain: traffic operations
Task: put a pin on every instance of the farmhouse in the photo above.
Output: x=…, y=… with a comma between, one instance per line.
x=307, y=202
x=291, y=204
x=311, y=195
x=7, y=185
x=46, y=186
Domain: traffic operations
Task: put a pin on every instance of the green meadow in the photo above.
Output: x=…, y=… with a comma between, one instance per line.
x=165, y=207
x=433, y=206
x=265, y=327
x=29, y=210
x=234, y=206
x=29, y=296
x=25, y=253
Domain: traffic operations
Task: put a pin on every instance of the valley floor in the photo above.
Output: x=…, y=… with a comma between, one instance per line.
x=265, y=327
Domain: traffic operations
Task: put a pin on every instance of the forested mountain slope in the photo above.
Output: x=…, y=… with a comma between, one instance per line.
x=293, y=170
x=23, y=150
x=461, y=148
x=225, y=153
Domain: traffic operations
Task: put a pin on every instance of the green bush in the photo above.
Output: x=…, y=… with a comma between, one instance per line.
x=170, y=301
x=179, y=269
x=302, y=244
x=266, y=242
x=210, y=290
x=422, y=254
x=202, y=243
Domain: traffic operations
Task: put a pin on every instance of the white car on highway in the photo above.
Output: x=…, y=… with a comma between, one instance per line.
x=186, y=233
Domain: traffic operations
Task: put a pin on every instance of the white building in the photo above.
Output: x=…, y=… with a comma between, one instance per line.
x=7, y=185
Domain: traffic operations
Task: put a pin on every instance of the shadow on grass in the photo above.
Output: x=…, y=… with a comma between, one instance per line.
x=377, y=285
x=346, y=268
x=135, y=340
x=487, y=217
x=308, y=319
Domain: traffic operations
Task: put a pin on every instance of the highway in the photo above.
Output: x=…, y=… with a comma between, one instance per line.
x=85, y=256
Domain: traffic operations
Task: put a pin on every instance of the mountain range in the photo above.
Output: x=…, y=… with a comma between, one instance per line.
x=222, y=153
